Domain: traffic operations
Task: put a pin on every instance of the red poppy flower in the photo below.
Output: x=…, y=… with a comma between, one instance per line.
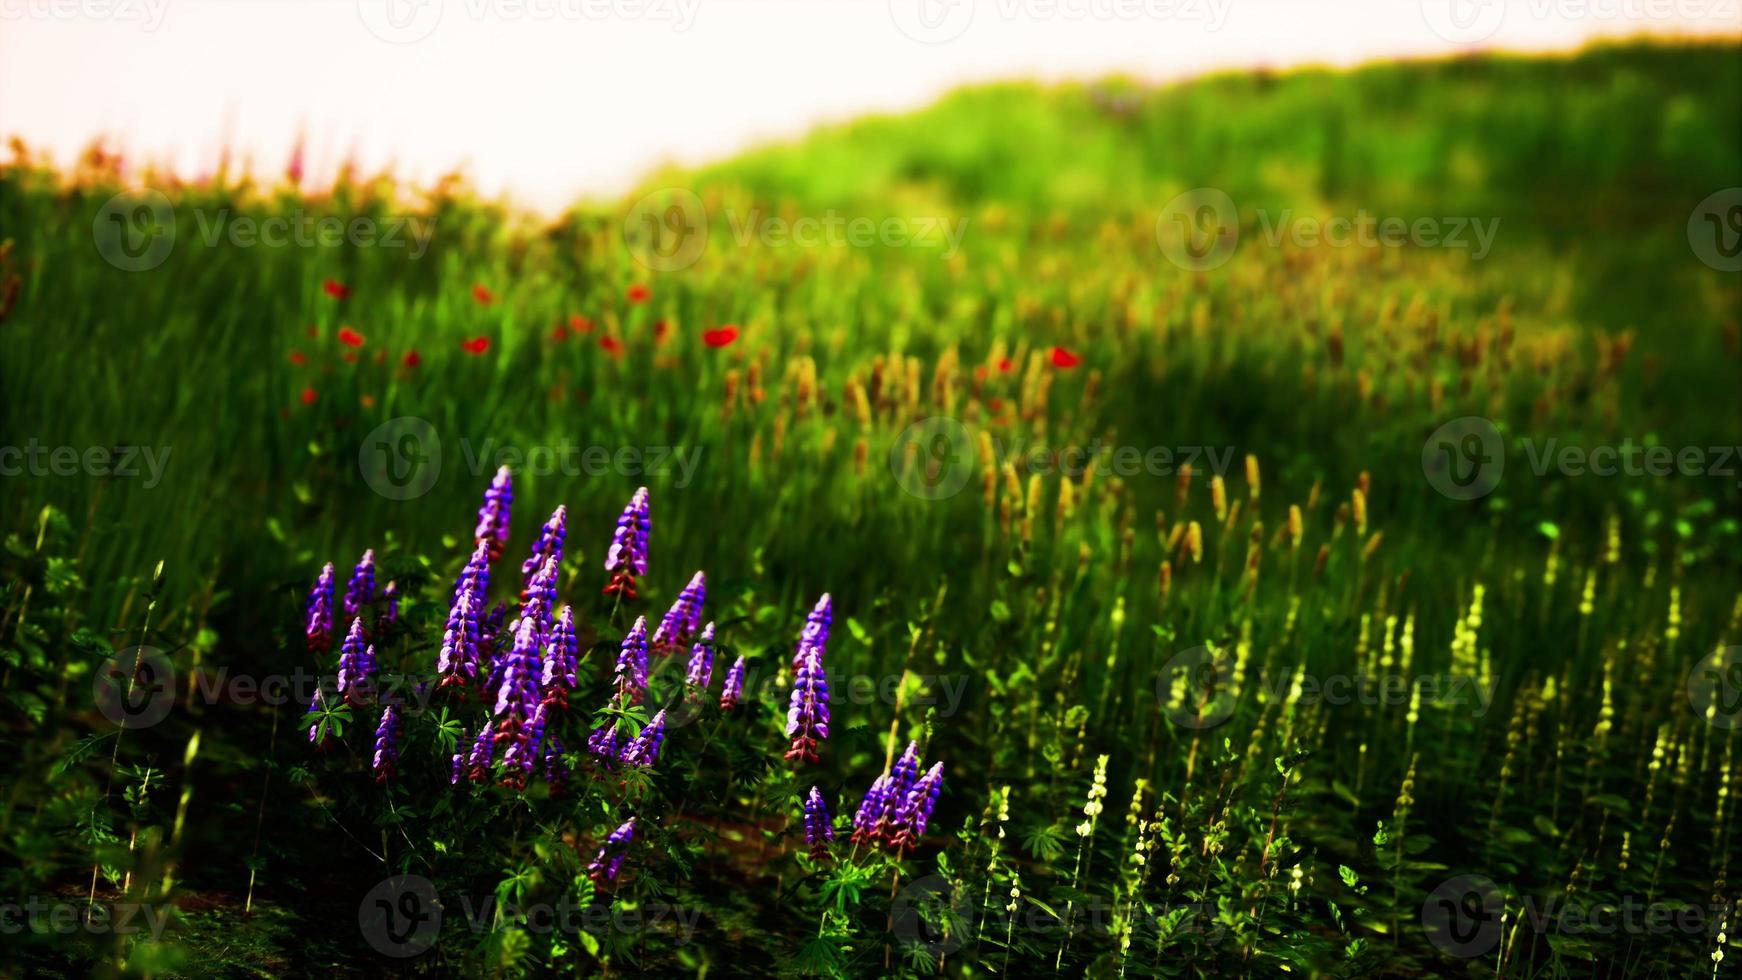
x=559, y=333
x=639, y=293
x=482, y=294
x=580, y=324
x=1006, y=365
x=336, y=289
x=477, y=345
x=611, y=345
x=720, y=337
x=660, y=329
x=411, y=359
x=350, y=337
x=309, y=396
x=1064, y=358
x=298, y=358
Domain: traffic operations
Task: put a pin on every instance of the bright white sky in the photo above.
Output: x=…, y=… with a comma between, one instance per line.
x=548, y=100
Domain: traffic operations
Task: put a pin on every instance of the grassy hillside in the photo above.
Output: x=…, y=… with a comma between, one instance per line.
x=1304, y=382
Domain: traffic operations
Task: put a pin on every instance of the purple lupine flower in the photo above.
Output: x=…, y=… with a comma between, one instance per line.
x=816, y=629
x=685, y=615
x=386, y=743
x=734, y=687
x=494, y=515
x=539, y=599
x=478, y=763
x=475, y=577
x=548, y=546
x=643, y=749
x=605, y=867
x=915, y=810
x=701, y=665
x=518, y=691
x=870, y=811
x=561, y=660
x=319, y=628
x=632, y=664
x=627, y=556
x=356, y=665
x=603, y=741
x=818, y=829
x=524, y=742
x=489, y=644
x=459, y=763
x=900, y=780
x=458, y=660
x=556, y=771
x=361, y=590
x=807, y=717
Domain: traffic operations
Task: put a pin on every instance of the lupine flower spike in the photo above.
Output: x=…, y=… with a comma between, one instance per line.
x=549, y=545
x=561, y=660
x=910, y=819
x=901, y=780
x=680, y=622
x=361, y=590
x=643, y=749
x=386, y=743
x=556, y=771
x=632, y=664
x=493, y=517
x=816, y=630
x=319, y=623
x=627, y=557
x=818, y=830
x=807, y=718
x=356, y=665
x=603, y=742
x=478, y=763
x=701, y=665
x=869, y=817
x=610, y=860
x=734, y=687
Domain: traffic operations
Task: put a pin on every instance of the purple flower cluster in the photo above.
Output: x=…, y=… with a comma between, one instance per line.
x=631, y=671
x=807, y=717
x=627, y=557
x=493, y=517
x=561, y=660
x=610, y=860
x=460, y=657
x=685, y=615
x=318, y=628
x=643, y=749
x=700, y=671
x=818, y=829
x=361, y=589
x=734, y=686
x=815, y=635
x=549, y=545
x=386, y=744
x=899, y=803
x=356, y=665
